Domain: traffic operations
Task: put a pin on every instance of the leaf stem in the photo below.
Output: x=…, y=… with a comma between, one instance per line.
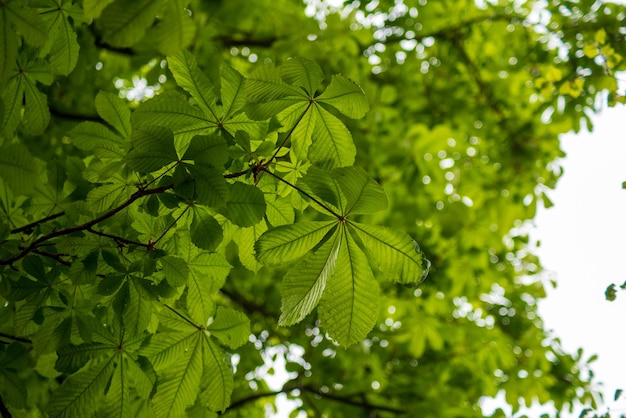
x=171, y=225
x=183, y=317
x=293, y=128
x=319, y=202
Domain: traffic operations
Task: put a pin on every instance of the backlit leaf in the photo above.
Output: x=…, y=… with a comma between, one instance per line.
x=113, y=110
x=286, y=243
x=125, y=23
x=394, y=252
x=304, y=285
x=346, y=96
x=245, y=206
x=349, y=307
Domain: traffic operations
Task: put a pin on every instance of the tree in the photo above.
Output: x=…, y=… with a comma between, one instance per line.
x=188, y=187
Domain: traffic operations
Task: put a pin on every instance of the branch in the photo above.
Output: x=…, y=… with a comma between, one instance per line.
x=63, y=114
x=241, y=402
x=4, y=411
x=348, y=401
x=118, y=239
x=15, y=338
x=29, y=227
x=87, y=225
x=54, y=256
x=246, y=40
x=246, y=304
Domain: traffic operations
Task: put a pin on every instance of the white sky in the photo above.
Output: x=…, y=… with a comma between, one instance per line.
x=583, y=247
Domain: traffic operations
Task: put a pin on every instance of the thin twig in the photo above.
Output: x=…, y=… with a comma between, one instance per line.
x=117, y=239
x=29, y=227
x=15, y=338
x=55, y=256
x=54, y=234
x=348, y=401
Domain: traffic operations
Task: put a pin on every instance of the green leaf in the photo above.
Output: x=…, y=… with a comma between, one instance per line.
x=363, y=194
x=176, y=30
x=233, y=93
x=80, y=394
x=279, y=211
x=93, y=8
x=245, y=206
x=395, y=253
x=200, y=304
x=12, y=97
x=304, y=285
x=175, y=269
x=27, y=21
x=8, y=46
x=114, y=111
x=64, y=51
x=153, y=148
x=303, y=118
x=186, y=361
x=169, y=109
x=333, y=146
x=286, y=243
x=206, y=232
x=188, y=76
x=138, y=312
x=218, y=377
x=179, y=383
x=230, y=327
x=302, y=72
x=105, y=197
x=349, y=307
x=124, y=23
x=211, y=187
x=246, y=239
x=268, y=94
x=321, y=184
x=17, y=168
x=36, y=113
x=346, y=96
x=92, y=136
x=211, y=150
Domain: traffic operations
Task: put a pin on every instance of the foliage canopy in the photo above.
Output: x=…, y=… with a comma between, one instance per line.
x=191, y=191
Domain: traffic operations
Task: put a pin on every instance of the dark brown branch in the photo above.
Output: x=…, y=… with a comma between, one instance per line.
x=15, y=338
x=246, y=304
x=62, y=114
x=4, y=411
x=363, y=403
x=56, y=257
x=241, y=402
x=237, y=174
x=246, y=40
x=83, y=227
x=118, y=239
x=29, y=227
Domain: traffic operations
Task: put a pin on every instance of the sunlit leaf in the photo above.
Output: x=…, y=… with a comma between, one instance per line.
x=304, y=285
